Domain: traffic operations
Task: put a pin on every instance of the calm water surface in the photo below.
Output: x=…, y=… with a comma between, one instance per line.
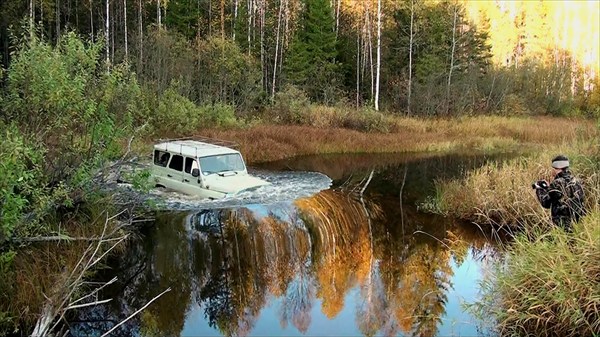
x=334, y=263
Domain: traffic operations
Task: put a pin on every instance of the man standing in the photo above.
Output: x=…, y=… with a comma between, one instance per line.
x=564, y=196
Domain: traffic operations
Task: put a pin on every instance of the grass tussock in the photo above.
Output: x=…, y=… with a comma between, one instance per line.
x=327, y=134
x=549, y=285
x=501, y=193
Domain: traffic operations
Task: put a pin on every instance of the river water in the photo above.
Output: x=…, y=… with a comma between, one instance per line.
x=339, y=247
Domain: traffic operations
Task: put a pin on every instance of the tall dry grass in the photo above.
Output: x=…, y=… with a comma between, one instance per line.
x=262, y=142
x=548, y=283
x=501, y=193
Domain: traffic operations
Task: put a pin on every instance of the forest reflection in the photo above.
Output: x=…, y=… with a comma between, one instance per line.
x=231, y=263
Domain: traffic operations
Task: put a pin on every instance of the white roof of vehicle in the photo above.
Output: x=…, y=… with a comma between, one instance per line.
x=193, y=148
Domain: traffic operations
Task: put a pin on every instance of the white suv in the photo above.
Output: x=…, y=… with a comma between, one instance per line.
x=205, y=168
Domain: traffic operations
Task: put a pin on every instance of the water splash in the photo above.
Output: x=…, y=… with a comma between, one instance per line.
x=285, y=186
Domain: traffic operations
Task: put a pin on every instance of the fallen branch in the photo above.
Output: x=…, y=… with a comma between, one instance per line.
x=135, y=313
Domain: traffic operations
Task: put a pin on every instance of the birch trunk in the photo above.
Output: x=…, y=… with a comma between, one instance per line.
x=378, y=55
x=158, y=14
x=91, y=19
x=276, y=49
x=141, y=30
x=369, y=47
x=106, y=31
x=223, y=20
x=235, y=15
x=337, y=17
x=410, y=53
x=262, y=44
x=31, y=20
x=125, y=32
x=451, y=60
x=250, y=10
x=357, y=69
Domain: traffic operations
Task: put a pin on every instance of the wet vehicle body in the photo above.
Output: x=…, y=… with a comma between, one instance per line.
x=205, y=168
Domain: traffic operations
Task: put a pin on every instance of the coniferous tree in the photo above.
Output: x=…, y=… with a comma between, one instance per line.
x=312, y=62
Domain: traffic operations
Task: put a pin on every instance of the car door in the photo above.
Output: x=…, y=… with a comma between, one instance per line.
x=175, y=173
x=192, y=185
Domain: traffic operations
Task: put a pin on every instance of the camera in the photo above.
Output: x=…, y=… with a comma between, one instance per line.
x=540, y=184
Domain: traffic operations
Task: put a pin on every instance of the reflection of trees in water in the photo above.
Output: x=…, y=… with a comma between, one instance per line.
x=230, y=261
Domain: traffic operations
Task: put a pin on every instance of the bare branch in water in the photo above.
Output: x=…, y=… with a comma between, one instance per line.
x=135, y=313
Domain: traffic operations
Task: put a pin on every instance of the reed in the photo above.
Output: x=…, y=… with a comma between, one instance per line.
x=501, y=193
x=548, y=283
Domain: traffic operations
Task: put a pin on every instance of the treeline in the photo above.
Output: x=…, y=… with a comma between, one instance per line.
x=423, y=58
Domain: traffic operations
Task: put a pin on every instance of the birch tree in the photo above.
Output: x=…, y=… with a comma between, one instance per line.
x=125, y=29
x=410, y=52
x=378, y=55
x=455, y=8
x=106, y=33
x=276, y=48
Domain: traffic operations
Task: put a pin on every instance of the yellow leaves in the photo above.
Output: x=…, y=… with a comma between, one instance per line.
x=540, y=29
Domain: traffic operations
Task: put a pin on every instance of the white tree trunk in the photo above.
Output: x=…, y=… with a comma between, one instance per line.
x=125, y=22
x=158, y=14
x=91, y=19
x=358, y=69
x=276, y=48
x=410, y=52
x=235, y=15
x=107, y=26
x=30, y=20
x=378, y=55
x=262, y=44
x=451, y=59
x=370, y=47
x=337, y=17
x=141, y=30
x=250, y=11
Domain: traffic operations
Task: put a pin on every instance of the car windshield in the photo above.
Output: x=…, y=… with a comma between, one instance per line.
x=221, y=163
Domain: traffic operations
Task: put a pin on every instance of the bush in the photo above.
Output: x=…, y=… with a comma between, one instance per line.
x=218, y=115
x=21, y=180
x=367, y=120
x=289, y=106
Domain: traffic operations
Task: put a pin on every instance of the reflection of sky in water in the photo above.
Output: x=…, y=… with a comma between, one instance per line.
x=456, y=322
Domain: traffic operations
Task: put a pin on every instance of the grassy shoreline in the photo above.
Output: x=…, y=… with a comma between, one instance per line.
x=548, y=284
x=487, y=134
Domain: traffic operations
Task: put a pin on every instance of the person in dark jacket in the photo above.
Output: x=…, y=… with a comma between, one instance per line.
x=564, y=195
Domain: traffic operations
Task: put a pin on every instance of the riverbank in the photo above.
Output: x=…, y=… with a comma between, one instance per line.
x=548, y=282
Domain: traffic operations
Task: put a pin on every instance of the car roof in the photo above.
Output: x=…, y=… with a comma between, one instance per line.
x=193, y=148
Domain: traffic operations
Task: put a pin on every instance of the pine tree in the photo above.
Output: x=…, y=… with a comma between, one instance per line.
x=311, y=64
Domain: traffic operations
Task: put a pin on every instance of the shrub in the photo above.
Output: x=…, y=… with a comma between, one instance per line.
x=289, y=106
x=367, y=120
x=218, y=115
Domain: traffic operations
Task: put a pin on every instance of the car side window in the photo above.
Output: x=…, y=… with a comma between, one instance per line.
x=176, y=163
x=161, y=158
x=190, y=164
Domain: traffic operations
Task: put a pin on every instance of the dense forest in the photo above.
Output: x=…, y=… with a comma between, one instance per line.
x=425, y=58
